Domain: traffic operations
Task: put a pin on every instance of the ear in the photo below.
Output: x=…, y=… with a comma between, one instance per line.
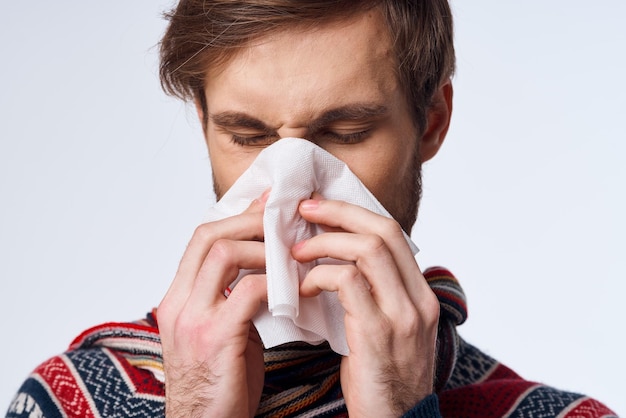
x=437, y=121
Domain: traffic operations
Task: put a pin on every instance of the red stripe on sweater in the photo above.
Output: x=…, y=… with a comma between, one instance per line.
x=64, y=387
x=78, y=341
x=589, y=408
x=483, y=400
x=143, y=381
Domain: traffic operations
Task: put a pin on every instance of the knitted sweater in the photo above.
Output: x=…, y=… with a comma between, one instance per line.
x=116, y=370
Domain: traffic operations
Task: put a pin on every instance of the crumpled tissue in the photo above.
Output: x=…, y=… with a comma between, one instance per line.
x=293, y=169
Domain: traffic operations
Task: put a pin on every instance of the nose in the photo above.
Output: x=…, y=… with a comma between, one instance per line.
x=288, y=132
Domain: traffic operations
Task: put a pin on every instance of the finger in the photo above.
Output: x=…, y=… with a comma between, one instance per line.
x=220, y=268
x=247, y=297
x=371, y=257
x=325, y=228
x=353, y=290
x=246, y=226
x=317, y=196
x=356, y=219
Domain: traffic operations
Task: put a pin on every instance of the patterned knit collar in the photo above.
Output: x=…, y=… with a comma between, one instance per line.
x=294, y=363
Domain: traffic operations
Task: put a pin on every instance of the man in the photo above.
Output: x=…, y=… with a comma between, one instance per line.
x=369, y=82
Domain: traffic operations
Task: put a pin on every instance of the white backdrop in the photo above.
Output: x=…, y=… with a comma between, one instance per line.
x=103, y=179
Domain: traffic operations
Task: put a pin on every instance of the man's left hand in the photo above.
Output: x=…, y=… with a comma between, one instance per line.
x=391, y=312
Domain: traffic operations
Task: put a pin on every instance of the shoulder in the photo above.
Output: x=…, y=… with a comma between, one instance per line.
x=112, y=369
x=481, y=386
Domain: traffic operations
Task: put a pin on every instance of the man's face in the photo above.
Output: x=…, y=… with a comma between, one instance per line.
x=336, y=86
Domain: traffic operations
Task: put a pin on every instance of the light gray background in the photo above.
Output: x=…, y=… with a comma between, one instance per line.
x=103, y=179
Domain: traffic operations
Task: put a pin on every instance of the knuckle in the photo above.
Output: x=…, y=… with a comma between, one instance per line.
x=176, y=328
x=432, y=310
x=410, y=322
x=392, y=228
x=203, y=233
x=185, y=324
x=222, y=249
x=164, y=313
x=248, y=285
x=373, y=243
x=223, y=253
x=340, y=204
x=415, y=319
x=349, y=275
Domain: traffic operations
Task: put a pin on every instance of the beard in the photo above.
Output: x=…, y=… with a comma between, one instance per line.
x=408, y=195
x=217, y=190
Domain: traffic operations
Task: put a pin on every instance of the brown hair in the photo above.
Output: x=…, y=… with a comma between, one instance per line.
x=203, y=34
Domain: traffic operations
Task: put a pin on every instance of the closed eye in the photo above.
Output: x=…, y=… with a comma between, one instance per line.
x=344, y=137
x=253, y=139
x=243, y=129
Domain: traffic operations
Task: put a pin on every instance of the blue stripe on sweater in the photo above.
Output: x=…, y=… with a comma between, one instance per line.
x=33, y=400
x=101, y=378
x=544, y=402
x=109, y=391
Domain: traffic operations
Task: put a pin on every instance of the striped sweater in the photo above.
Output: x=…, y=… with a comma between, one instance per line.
x=116, y=370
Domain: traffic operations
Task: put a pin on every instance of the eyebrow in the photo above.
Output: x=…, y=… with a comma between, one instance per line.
x=352, y=112
x=239, y=120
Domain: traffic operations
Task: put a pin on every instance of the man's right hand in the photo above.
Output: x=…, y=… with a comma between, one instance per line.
x=212, y=355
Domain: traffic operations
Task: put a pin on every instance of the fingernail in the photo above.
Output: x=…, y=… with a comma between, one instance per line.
x=299, y=245
x=265, y=196
x=309, y=204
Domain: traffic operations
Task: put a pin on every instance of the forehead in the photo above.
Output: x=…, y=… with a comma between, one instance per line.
x=351, y=59
x=368, y=24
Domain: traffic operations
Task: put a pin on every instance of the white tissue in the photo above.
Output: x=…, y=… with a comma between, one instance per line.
x=295, y=168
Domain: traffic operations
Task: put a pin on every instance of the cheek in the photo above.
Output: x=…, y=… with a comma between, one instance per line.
x=223, y=175
x=228, y=163
x=381, y=173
